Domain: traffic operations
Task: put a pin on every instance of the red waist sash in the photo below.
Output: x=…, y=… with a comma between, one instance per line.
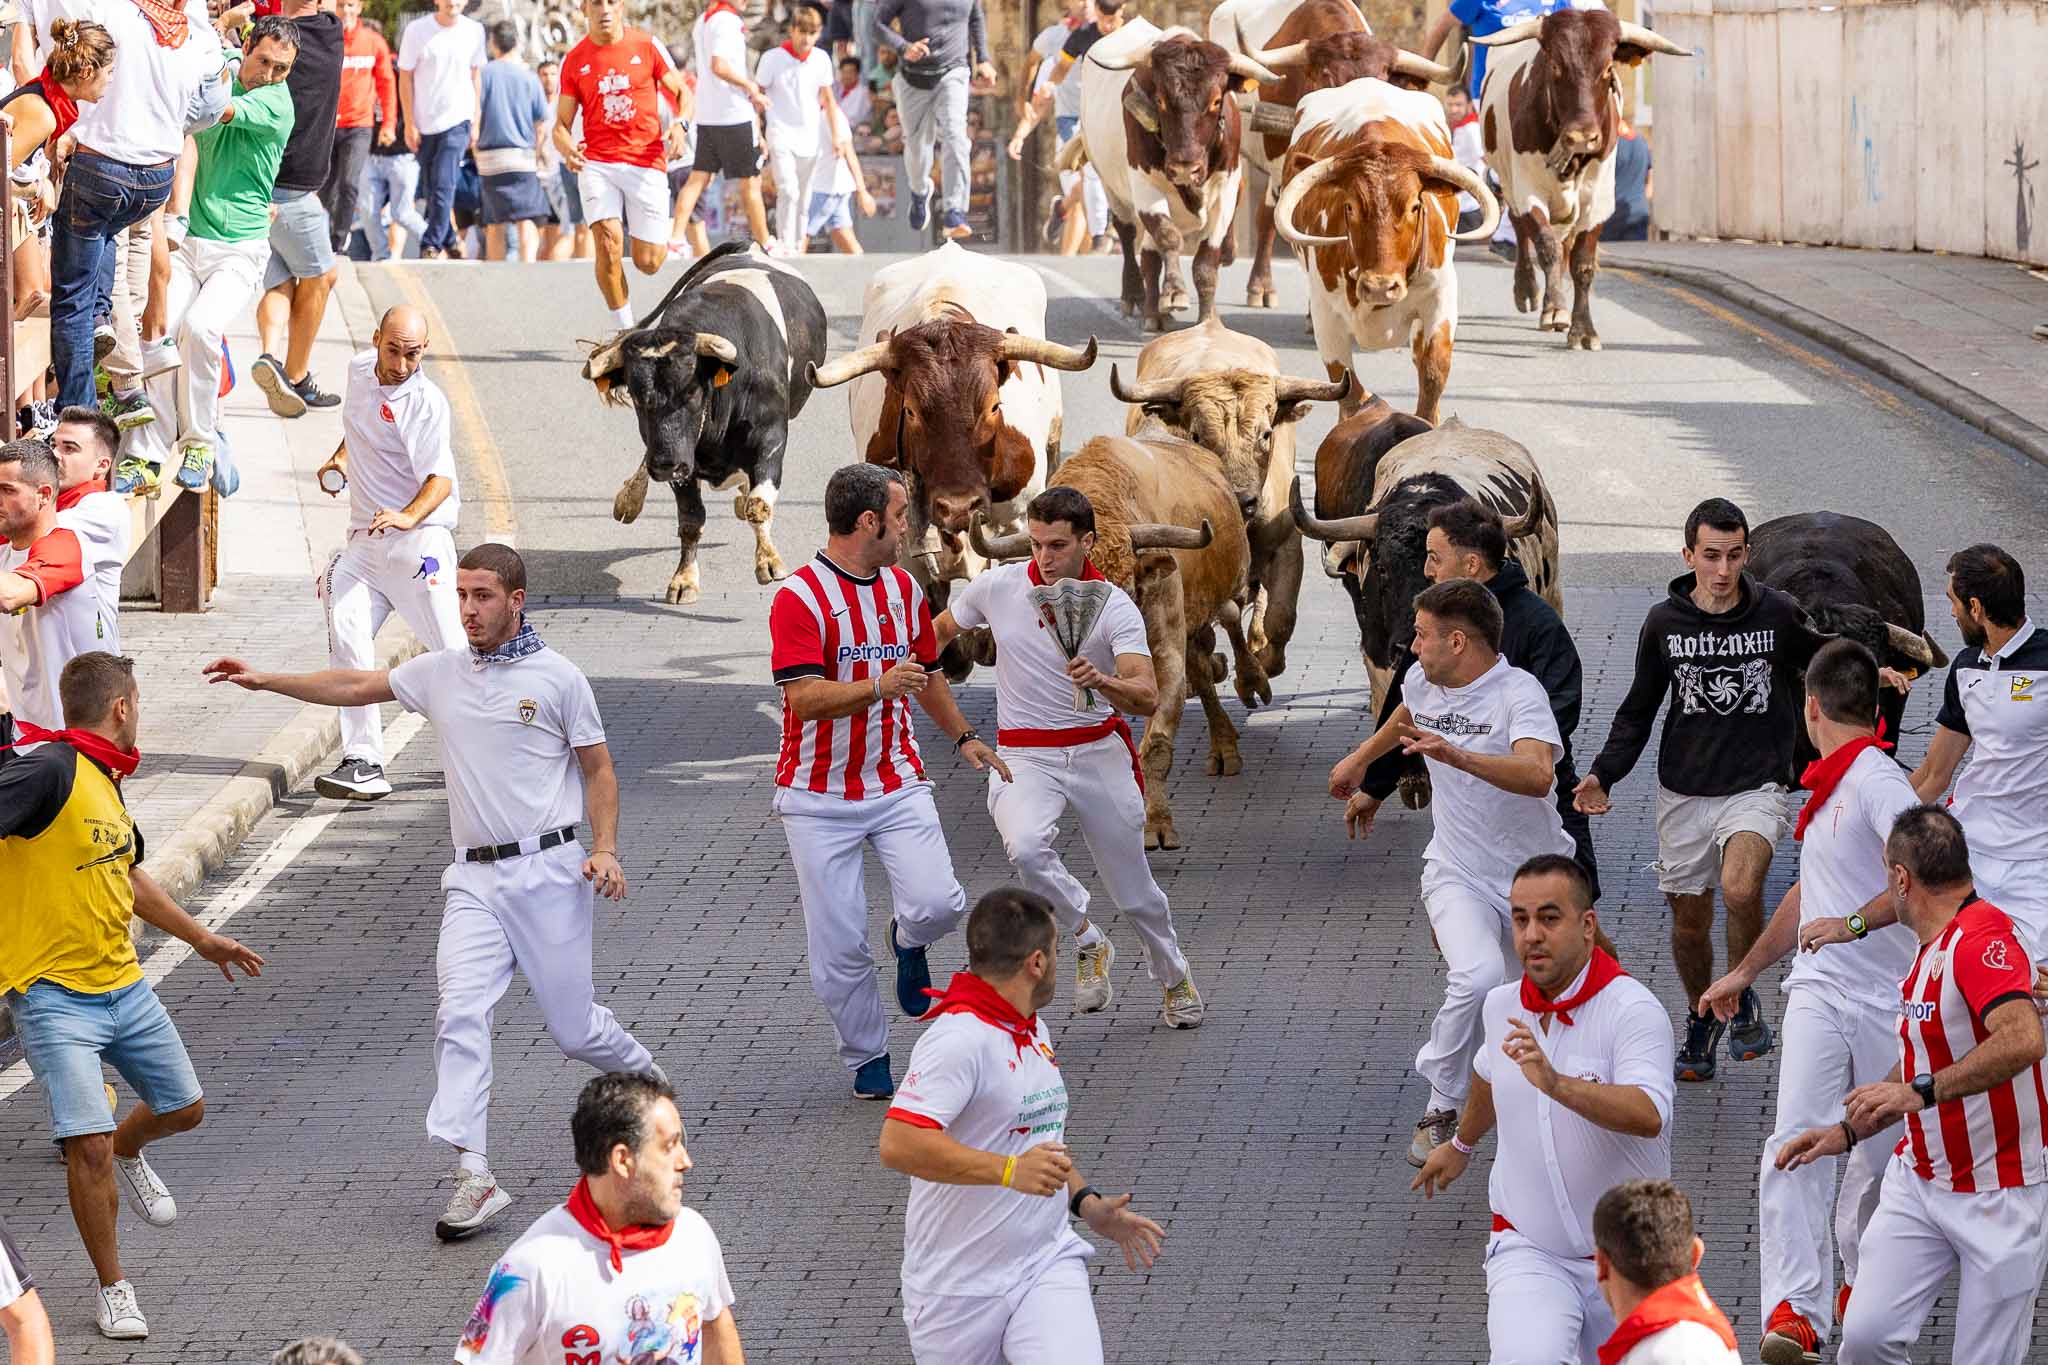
x=1079, y=734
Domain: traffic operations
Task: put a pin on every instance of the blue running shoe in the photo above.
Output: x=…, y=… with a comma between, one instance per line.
x=873, y=1081
x=920, y=211
x=1749, y=1036
x=913, y=977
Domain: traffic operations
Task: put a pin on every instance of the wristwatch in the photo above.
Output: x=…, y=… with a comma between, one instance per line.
x=965, y=735
x=1923, y=1086
x=1857, y=925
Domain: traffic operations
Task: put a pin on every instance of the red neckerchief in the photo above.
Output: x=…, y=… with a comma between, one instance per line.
x=1823, y=775
x=718, y=7
x=71, y=497
x=96, y=747
x=62, y=106
x=967, y=993
x=638, y=1237
x=1600, y=973
x=166, y=19
x=1089, y=573
x=1472, y=117
x=1680, y=1301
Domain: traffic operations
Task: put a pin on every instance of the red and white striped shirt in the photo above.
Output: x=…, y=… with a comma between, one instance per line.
x=1986, y=1141
x=826, y=623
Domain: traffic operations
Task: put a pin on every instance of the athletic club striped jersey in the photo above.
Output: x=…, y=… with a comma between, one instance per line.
x=826, y=623
x=1991, y=1140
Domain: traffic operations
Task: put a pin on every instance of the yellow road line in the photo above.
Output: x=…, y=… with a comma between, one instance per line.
x=472, y=433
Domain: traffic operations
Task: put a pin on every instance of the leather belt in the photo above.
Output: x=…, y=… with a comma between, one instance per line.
x=492, y=853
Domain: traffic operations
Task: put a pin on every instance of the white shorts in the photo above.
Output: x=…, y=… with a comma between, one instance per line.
x=638, y=194
x=1691, y=831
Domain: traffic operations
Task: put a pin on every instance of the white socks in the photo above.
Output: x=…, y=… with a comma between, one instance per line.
x=623, y=315
x=1439, y=1100
x=1088, y=937
x=472, y=1161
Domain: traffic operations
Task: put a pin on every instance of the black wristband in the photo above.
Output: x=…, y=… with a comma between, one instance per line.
x=965, y=735
x=1074, y=1204
x=1849, y=1133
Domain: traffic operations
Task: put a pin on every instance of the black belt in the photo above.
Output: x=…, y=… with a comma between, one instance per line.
x=494, y=852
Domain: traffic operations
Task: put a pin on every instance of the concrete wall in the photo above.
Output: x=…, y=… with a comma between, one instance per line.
x=1917, y=125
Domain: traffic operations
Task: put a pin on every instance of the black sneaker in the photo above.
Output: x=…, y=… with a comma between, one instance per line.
x=913, y=977
x=285, y=399
x=1695, y=1061
x=353, y=780
x=1749, y=1037
x=313, y=395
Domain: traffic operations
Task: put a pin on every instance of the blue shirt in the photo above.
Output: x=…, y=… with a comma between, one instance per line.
x=513, y=103
x=1482, y=17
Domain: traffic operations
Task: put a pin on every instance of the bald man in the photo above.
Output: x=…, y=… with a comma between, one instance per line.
x=396, y=465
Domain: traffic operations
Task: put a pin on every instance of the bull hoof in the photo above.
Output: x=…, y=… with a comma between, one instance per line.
x=1554, y=320
x=1225, y=762
x=769, y=568
x=1415, y=791
x=1157, y=323
x=1525, y=297
x=1174, y=301
x=1253, y=690
x=1260, y=296
x=1582, y=339
x=1131, y=307
x=681, y=593
x=1161, y=834
x=631, y=497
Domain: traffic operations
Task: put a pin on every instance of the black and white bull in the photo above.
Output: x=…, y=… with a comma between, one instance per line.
x=716, y=374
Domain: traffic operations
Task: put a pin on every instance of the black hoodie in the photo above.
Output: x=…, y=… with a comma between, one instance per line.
x=1732, y=678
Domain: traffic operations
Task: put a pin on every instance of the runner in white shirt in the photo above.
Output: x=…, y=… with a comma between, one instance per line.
x=992, y=1271
x=22, y=1318
x=1841, y=1009
x=1576, y=1071
x=85, y=444
x=1485, y=728
x=797, y=77
x=52, y=602
x=395, y=458
x=1646, y=1256
x=524, y=752
x=1068, y=753
x=622, y=1271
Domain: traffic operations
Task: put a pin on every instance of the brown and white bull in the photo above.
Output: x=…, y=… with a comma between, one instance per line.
x=1549, y=112
x=1311, y=45
x=1370, y=192
x=1161, y=126
x=1224, y=391
x=1150, y=494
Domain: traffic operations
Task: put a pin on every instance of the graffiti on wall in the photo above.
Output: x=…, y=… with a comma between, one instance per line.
x=2023, y=192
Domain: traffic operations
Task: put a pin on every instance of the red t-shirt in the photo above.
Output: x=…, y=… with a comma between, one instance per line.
x=618, y=87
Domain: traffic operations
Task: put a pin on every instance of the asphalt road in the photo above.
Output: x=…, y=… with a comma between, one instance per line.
x=1269, y=1142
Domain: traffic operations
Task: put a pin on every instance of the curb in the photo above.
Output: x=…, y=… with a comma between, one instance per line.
x=1944, y=393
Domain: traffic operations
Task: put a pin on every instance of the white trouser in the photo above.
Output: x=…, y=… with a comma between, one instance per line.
x=1050, y=1321
x=412, y=572
x=1542, y=1309
x=793, y=176
x=2020, y=888
x=1096, y=782
x=212, y=287
x=1920, y=1235
x=531, y=912
x=1473, y=933
x=1828, y=1045
x=826, y=837
x=1093, y=198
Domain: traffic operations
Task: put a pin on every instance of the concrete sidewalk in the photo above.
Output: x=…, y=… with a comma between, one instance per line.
x=1956, y=330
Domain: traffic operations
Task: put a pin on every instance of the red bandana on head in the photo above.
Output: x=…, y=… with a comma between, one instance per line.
x=1680, y=1301
x=967, y=993
x=638, y=1237
x=1823, y=775
x=97, y=747
x=1600, y=973
x=1089, y=573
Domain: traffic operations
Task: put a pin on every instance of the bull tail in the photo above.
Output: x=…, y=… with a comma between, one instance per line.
x=1072, y=155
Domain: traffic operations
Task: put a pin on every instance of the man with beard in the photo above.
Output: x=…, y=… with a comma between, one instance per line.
x=622, y=1254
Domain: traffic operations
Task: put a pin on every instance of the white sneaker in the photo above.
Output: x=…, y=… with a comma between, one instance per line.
x=478, y=1199
x=1092, y=990
x=1183, y=1008
x=146, y=1194
x=1434, y=1131
x=160, y=357
x=117, y=1314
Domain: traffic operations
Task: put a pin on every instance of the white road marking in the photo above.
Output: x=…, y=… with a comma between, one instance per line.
x=238, y=894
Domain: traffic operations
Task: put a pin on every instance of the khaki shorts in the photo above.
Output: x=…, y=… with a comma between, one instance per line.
x=1691, y=831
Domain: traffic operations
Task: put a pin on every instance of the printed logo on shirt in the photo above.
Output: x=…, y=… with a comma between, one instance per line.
x=871, y=654
x=384, y=411
x=1710, y=645
x=1454, y=724
x=430, y=569
x=658, y=1332
x=1721, y=690
x=616, y=105
x=1919, y=1011
x=582, y=1334
x=1994, y=956
x=635, y=61
x=2022, y=689
x=478, y=1331
x=528, y=709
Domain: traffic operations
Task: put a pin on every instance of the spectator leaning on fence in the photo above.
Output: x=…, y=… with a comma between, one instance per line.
x=516, y=123
x=440, y=86
x=369, y=106
x=939, y=38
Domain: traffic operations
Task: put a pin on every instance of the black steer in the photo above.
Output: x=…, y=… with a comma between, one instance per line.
x=716, y=374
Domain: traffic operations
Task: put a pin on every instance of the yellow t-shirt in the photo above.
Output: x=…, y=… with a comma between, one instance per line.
x=65, y=897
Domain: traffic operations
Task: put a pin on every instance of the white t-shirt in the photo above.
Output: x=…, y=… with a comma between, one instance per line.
x=1469, y=151
x=36, y=642
x=971, y=1079
x=1481, y=831
x=1841, y=868
x=1550, y=1166
x=397, y=439
x=104, y=527
x=441, y=59
x=509, y=734
x=795, y=120
x=1047, y=46
x=832, y=177
x=1032, y=690
x=141, y=119
x=721, y=34
x=1682, y=1343
x=555, y=1292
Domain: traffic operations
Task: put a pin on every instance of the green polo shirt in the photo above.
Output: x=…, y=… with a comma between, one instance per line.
x=238, y=163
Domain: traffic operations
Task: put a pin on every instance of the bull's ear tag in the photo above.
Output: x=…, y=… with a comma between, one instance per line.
x=720, y=378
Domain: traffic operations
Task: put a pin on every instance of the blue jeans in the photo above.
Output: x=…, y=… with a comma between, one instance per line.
x=65, y=1035
x=393, y=182
x=102, y=199
x=440, y=169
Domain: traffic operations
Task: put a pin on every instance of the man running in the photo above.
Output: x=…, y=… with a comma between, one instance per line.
x=1486, y=731
x=622, y=1271
x=399, y=469
x=1064, y=751
x=992, y=1269
x=615, y=78
x=1841, y=1007
x=524, y=752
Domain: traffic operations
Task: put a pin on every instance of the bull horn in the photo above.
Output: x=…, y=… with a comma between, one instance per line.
x=605, y=356
x=1514, y=33
x=1305, y=180
x=715, y=347
x=1531, y=518
x=1332, y=532
x=1147, y=390
x=1016, y=545
x=1127, y=62
x=1151, y=535
x=1421, y=68
x=1635, y=35
x=1037, y=350
x=1910, y=644
x=1291, y=390
x=1244, y=68
x=1278, y=58
x=853, y=365
x=1468, y=180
